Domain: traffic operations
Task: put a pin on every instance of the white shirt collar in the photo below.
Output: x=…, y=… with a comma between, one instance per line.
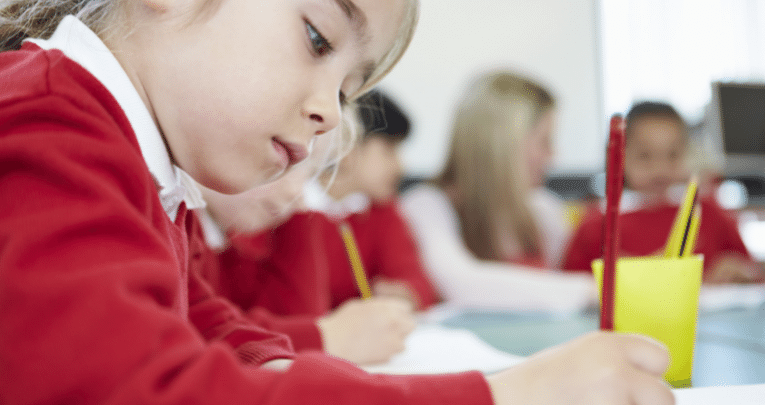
x=316, y=198
x=83, y=46
x=214, y=235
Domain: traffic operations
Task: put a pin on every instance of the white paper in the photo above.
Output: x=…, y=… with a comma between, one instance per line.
x=734, y=394
x=728, y=296
x=433, y=349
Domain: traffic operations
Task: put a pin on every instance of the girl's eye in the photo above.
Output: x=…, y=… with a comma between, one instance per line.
x=319, y=44
x=341, y=96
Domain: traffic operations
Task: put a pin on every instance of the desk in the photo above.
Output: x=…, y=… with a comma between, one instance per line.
x=730, y=344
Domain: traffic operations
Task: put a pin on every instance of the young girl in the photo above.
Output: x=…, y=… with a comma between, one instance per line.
x=484, y=229
x=99, y=122
x=656, y=160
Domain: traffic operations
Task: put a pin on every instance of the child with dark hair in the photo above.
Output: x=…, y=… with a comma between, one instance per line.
x=372, y=167
x=381, y=115
x=363, y=194
x=296, y=276
x=656, y=166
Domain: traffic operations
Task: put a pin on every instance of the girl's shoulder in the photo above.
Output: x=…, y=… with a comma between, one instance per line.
x=23, y=73
x=42, y=86
x=32, y=72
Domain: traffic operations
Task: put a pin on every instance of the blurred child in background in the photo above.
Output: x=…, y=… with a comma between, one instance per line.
x=487, y=231
x=291, y=272
x=655, y=172
x=362, y=193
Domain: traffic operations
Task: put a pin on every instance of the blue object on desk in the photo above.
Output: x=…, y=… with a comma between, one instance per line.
x=730, y=344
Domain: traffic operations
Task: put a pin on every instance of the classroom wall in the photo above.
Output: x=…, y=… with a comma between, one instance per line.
x=555, y=41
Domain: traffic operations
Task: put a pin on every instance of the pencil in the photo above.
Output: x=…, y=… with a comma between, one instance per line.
x=693, y=233
x=681, y=226
x=355, y=259
x=614, y=185
x=687, y=231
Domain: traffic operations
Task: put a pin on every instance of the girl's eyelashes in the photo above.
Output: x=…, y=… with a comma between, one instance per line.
x=320, y=45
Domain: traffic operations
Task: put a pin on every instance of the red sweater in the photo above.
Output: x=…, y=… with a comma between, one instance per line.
x=96, y=305
x=644, y=232
x=387, y=250
x=300, y=270
x=280, y=277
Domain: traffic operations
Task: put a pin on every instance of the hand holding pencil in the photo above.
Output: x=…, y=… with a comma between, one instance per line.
x=368, y=330
x=597, y=368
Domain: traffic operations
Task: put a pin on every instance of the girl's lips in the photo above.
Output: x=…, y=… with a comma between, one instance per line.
x=281, y=150
x=295, y=152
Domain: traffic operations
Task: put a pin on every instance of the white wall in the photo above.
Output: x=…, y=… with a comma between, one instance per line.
x=554, y=41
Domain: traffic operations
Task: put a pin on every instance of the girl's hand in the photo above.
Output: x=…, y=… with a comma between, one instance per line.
x=599, y=368
x=384, y=287
x=367, y=331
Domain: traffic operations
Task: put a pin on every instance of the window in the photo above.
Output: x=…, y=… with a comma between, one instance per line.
x=672, y=50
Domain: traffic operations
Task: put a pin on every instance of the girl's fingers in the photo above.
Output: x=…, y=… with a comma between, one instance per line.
x=646, y=389
x=645, y=353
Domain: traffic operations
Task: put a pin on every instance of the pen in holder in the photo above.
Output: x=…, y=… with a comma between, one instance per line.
x=682, y=237
x=658, y=296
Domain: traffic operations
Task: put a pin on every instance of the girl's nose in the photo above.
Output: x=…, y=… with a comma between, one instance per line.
x=323, y=112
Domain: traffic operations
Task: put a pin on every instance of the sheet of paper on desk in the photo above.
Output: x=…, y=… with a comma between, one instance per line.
x=434, y=349
x=735, y=394
x=727, y=296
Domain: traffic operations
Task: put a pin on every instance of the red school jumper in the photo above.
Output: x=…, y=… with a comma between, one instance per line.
x=96, y=305
x=287, y=277
x=387, y=250
x=645, y=231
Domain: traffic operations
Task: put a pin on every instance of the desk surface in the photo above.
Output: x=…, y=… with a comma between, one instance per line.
x=730, y=344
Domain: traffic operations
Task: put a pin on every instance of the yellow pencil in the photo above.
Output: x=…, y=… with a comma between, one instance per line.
x=682, y=221
x=355, y=259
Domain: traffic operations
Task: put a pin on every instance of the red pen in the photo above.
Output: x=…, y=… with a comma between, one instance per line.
x=614, y=185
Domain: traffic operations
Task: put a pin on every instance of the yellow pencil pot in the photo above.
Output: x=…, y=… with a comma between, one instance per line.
x=659, y=297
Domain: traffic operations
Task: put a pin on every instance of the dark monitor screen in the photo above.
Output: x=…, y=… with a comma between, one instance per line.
x=742, y=114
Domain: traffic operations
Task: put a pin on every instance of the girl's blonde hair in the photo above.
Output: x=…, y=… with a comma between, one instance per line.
x=400, y=44
x=20, y=19
x=486, y=168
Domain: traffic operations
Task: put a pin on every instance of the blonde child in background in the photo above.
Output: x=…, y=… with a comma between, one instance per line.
x=655, y=171
x=101, y=117
x=487, y=232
